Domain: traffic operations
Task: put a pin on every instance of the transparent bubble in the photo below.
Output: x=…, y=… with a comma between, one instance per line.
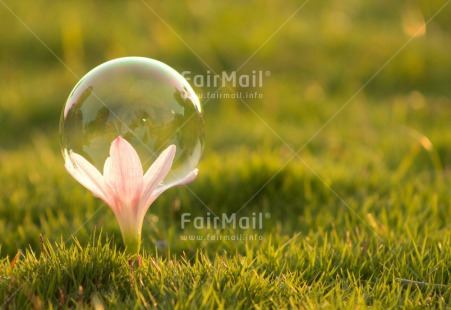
x=143, y=100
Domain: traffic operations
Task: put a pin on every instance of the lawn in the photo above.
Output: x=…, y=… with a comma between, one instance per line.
x=343, y=154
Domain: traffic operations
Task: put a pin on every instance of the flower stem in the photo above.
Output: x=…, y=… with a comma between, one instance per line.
x=132, y=241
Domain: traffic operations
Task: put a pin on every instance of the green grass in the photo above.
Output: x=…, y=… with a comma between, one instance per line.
x=360, y=218
x=326, y=270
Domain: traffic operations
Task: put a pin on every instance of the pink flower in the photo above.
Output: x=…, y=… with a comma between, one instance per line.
x=123, y=186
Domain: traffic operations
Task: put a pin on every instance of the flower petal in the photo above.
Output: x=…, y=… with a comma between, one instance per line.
x=186, y=180
x=156, y=173
x=123, y=173
x=114, y=197
x=157, y=192
x=88, y=176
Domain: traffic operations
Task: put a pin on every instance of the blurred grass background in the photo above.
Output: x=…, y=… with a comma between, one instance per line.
x=387, y=155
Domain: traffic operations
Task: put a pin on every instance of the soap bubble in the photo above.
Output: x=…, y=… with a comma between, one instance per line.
x=143, y=100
